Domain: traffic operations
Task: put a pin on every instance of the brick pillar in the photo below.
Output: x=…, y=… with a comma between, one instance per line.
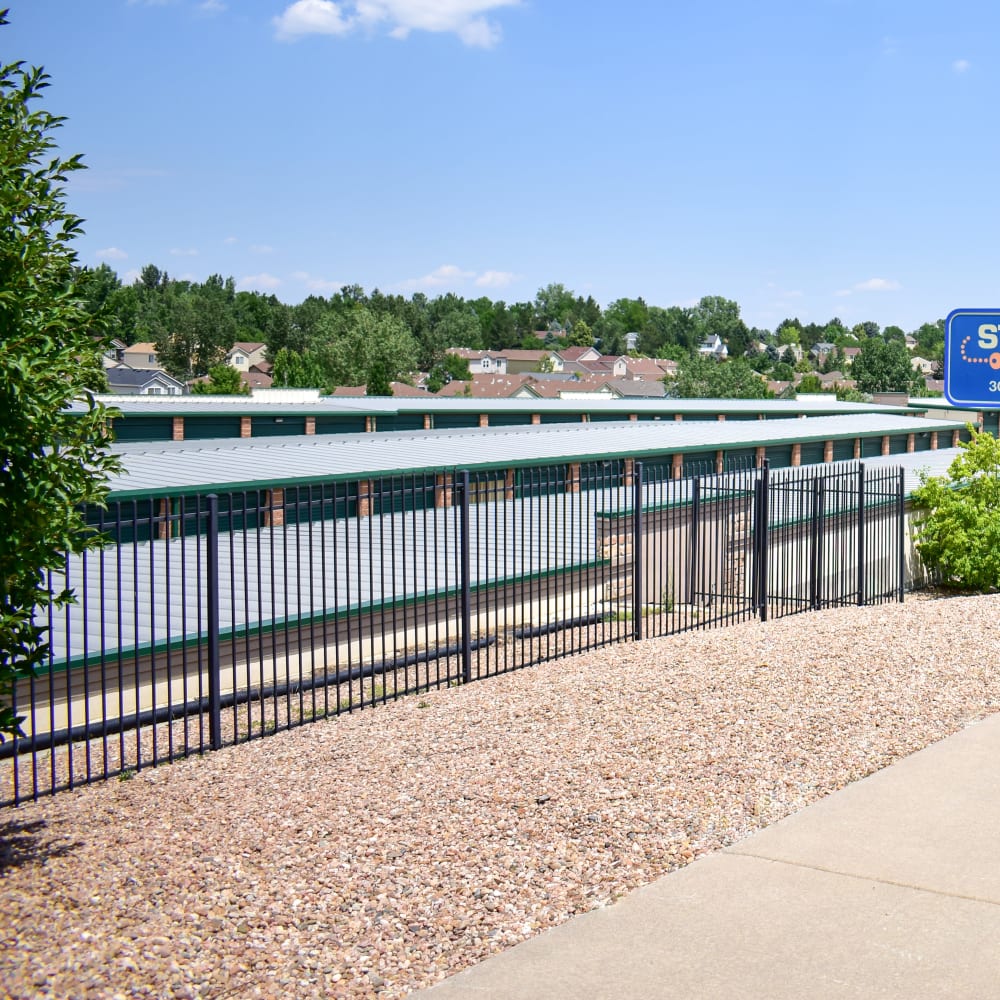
x=759, y=456
x=310, y=425
x=536, y=418
x=633, y=417
x=857, y=447
x=956, y=438
x=274, y=508
x=246, y=427
x=911, y=444
x=365, y=489
x=508, y=485
x=934, y=443
x=885, y=444
x=178, y=431
x=678, y=416
x=628, y=477
x=163, y=528
x=584, y=418
x=369, y=425
x=677, y=467
x=828, y=451
x=796, y=454
x=428, y=423
x=719, y=461
x=444, y=490
x=484, y=420
x=573, y=477
x=722, y=416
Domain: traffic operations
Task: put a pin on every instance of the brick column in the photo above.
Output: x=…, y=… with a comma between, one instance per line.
x=536, y=418
x=678, y=416
x=444, y=491
x=274, y=508
x=428, y=423
x=310, y=425
x=178, y=430
x=719, y=461
x=911, y=444
x=759, y=456
x=934, y=443
x=857, y=447
x=246, y=427
x=828, y=451
x=633, y=417
x=722, y=416
x=365, y=489
x=369, y=425
x=163, y=528
x=573, y=477
x=628, y=476
x=796, y=454
x=484, y=420
x=956, y=438
x=677, y=467
x=885, y=444
x=508, y=485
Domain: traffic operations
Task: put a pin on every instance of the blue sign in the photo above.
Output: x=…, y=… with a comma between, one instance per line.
x=972, y=358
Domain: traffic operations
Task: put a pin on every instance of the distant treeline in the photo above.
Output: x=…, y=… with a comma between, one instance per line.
x=370, y=338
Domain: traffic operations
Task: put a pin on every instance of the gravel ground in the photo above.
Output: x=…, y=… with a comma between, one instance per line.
x=377, y=853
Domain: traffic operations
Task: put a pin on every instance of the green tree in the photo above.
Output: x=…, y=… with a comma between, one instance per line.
x=368, y=350
x=298, y=370
x=51, y=461
x=223, y=380
x=717, y=315
x=958, y=528
x=882, y=367
x=705, y=378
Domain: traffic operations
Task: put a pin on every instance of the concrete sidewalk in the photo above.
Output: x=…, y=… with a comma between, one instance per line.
x=888, y=888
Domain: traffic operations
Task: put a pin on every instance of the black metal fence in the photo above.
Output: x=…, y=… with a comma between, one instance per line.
x=215, y=619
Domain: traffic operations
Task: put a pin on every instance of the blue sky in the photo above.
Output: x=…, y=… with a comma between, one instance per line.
x=811, y=158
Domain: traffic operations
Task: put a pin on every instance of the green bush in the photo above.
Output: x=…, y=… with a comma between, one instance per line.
x=958, y=530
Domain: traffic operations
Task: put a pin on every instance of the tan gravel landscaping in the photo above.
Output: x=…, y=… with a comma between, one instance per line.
x=379, y=852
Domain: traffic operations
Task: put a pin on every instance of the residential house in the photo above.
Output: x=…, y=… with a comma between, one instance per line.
x=714, y=347
x=126, y=381
x=112, y=354
x=821, y=351
x=244, y=355
x=481, y=362
x=922, y=365
x=519, y=362
x=141, y=356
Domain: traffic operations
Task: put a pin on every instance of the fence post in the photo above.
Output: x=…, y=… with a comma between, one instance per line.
x=816, y=532
x=464, y=563
x=862, y=568
x=212, y=585
x=901, y=528
x=637, y=567
x=761, y=538
x=693, y=537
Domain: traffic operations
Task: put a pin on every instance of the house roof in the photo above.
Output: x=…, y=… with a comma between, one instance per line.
x=485, y=386
x=172, y=468
x=143, y=347
x=524, y=355
x=124, y=376
x=247, y=347
x=404, y=389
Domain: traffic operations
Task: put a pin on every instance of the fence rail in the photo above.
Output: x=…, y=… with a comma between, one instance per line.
x=216, y=619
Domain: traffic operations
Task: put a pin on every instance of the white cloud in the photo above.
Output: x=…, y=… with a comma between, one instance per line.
x=263, y=282
x=961, y=65
x=496, y=279
x=446, y=274
x=260, y=248
x=111, y=253
x=877, y=285
x=320, y=285
x=183, y=252
x=871, y=285
x=310, y=17
x=131, y=276
x=464, y=18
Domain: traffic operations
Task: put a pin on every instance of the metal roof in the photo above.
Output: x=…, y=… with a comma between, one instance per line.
x=169, y=406
x=237, y=463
